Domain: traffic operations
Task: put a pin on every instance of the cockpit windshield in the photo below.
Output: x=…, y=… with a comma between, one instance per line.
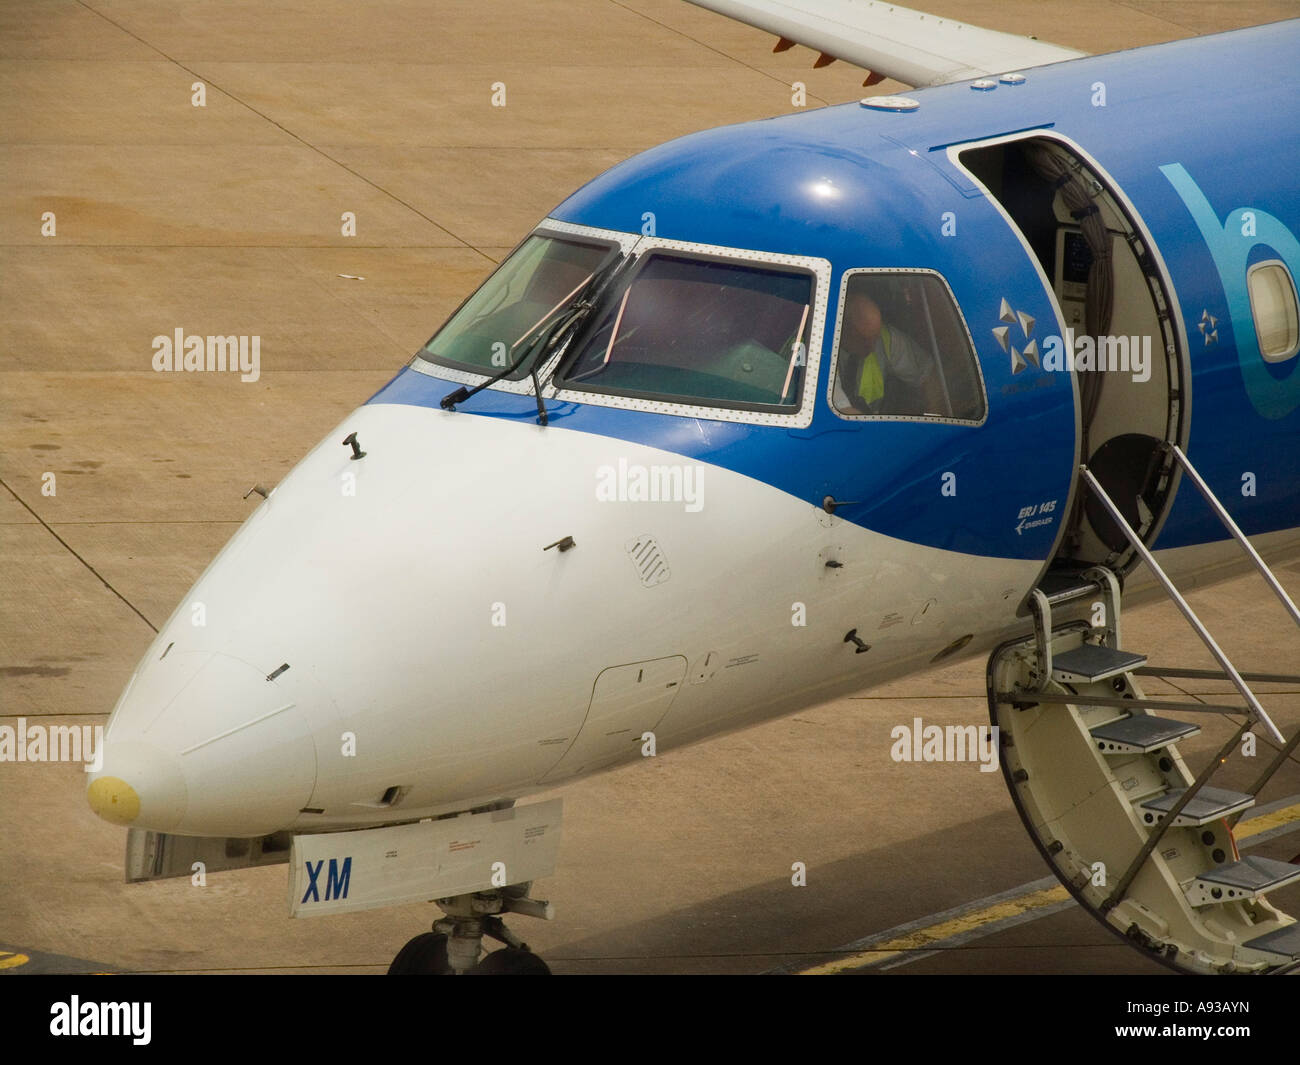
x=696, y=330
x=525, y=295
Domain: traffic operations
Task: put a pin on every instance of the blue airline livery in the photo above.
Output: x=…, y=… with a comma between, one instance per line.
x=866, y=188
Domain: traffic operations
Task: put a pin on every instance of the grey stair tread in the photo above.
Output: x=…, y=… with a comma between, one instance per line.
x=1144, y=731
x=1252, y=874
x=1284, y=941
x=1094, y=662
x=1063, y=587
x=1208, y=804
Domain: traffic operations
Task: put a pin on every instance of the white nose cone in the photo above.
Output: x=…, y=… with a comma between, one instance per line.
x=223, y=752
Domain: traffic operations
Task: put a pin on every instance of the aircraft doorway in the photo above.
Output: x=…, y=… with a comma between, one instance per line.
x=1116, y=305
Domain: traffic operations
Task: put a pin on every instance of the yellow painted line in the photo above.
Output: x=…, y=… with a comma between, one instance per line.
x=1268, y=821
x=12, y=961
x=928, y=937
x=976, y=919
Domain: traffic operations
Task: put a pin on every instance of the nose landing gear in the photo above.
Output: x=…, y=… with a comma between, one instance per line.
x=454, y=945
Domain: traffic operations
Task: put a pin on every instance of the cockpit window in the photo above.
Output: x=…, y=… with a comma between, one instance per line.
x=902, y=351
x=535, y=284
x=701, y=331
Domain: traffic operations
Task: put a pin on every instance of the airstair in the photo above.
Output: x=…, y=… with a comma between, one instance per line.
x=1140, y=840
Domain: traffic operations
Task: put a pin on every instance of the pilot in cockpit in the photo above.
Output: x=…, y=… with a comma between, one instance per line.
x=882, y=370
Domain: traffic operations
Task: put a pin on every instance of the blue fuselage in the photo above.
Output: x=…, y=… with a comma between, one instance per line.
x=1190, y=160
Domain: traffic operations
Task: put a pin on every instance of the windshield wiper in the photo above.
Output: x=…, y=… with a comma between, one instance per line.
x=549, y=338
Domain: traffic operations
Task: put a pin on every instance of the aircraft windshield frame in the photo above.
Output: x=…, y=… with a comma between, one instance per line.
x=496, y=328
x=763, y=287
x=554, y=388
x=938, y=376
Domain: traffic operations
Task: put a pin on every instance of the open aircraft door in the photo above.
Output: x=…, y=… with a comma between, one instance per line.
x=1143, y=842
x=1119, y=328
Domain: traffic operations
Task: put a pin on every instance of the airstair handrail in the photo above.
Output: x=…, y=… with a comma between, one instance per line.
x=1254, y=708
x=1238, y=535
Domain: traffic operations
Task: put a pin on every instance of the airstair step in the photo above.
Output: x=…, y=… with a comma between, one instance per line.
x=1209, y=804
x=1091, y=662
x=1283, y=941
x=1140, y=734
x=1065, y=587
x=1241, y=880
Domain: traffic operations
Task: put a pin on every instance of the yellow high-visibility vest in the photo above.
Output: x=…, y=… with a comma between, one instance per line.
x=871, y=383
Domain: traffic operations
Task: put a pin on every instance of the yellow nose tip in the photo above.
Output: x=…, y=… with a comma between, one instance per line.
x=114, y=800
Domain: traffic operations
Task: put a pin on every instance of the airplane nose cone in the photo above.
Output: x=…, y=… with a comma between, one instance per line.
x=138, y=782
x=205, y=744
x=114, y=800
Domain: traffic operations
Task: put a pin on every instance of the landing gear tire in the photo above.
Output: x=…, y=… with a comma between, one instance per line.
x=425, y=955
x=511, y=961
x=454, y=946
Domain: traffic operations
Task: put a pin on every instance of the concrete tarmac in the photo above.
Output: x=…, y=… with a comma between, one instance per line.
x=119, y=484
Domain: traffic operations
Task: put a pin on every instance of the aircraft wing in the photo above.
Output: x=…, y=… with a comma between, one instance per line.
x=891, y=41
